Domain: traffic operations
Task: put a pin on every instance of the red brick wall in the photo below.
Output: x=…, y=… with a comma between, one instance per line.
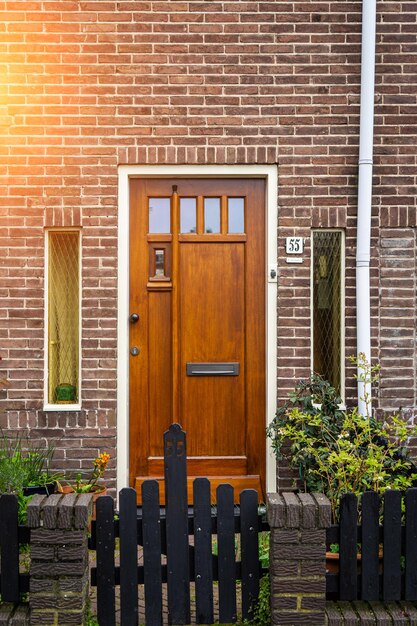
x=86, y=86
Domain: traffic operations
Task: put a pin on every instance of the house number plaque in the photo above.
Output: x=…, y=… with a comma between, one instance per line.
x=294, y=245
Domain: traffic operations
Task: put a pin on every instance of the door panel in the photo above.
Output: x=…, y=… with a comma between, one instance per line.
x=212, y=330
x=160, y=384
x=200, y=296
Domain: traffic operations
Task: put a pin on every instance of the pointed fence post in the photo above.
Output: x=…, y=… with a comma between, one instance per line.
x=178, y=576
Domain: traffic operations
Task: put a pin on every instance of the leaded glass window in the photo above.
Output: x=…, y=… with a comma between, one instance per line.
x=63, y=275
x=327, y=305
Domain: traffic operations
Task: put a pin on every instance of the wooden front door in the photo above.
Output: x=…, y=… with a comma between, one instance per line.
x=197, y=326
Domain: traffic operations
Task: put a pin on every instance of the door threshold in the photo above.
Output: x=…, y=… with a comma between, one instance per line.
x=239, y=483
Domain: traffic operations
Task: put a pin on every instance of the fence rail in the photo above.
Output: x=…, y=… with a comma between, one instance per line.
x=378, y=557
x=169, y=556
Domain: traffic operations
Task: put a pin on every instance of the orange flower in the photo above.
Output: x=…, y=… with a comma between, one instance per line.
x=100, y=463
x=99, y=467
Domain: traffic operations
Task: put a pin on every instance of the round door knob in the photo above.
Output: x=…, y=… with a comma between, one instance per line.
x=134, y=318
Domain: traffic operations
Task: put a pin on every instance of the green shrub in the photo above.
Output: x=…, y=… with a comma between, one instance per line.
x=338, y=451
x=24, y=464
x=261, y=612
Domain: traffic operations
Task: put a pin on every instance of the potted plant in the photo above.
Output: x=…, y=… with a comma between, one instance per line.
x=25, y=469
x=338, y=451
x=26, y=466
x=90, y=485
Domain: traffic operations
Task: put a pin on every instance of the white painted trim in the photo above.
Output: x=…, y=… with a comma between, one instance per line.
x=46, y=405
x=269, y=173
x=62, y=407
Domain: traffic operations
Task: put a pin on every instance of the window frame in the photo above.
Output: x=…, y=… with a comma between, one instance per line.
x=342, y=304
x=48, y=406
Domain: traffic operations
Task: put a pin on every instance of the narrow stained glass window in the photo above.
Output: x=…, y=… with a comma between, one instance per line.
x=211, y=215
x=327, y=301
x=159, y=215
x=236, y=215
x=188, y=219
x=63, y=317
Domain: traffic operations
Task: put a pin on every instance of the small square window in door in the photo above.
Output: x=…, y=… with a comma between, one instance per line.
x=159, y=262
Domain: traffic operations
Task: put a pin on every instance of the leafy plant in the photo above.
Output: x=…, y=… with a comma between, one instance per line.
x=99, y=467
x=90, y=618
x=311, y=397
x=24, y=464
x=337, y=451
x=261, y=611
x=264, y=549
x=12, y=478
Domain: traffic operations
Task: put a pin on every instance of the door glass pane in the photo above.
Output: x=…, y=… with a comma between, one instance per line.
x=188, y=221
x=159, y=215
x=160, y=262
x=236, y=215
x=211, y=215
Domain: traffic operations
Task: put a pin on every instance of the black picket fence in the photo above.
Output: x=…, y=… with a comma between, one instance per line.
x=12, y=536
x=378, y=556
x=180, y=545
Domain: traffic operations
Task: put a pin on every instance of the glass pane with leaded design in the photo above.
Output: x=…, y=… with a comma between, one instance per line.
x=63, y=317
x=327, y=281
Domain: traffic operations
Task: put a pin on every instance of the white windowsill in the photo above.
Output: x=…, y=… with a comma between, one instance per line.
x=62, y=407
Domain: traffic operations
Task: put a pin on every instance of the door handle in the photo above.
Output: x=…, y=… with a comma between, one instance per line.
x=134, y=318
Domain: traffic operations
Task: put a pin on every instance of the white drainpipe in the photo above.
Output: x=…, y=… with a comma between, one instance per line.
x=363, y=250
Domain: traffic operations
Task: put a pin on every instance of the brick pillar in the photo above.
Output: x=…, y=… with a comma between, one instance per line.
x=297, y=557
x=59, y=583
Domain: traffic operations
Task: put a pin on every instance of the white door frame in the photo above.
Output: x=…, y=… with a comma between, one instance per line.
x=125, y=172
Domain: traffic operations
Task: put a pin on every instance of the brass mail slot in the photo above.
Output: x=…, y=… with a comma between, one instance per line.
x=213, y=369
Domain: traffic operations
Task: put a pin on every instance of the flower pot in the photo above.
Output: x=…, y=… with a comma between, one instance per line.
x=65, y=393
x=45, y=490
x=96, y=492
x=332, y=561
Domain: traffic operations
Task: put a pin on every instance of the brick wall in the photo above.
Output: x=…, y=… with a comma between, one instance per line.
x=398, y=317
x=89, y=85
x=297, y=564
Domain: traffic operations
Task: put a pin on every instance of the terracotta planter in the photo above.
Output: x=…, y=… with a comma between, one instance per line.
x=332, y=561
x=98, y=490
